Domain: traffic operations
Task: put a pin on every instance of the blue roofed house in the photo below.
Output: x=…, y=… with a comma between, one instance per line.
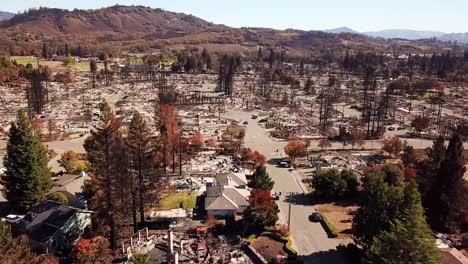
x=52, y=226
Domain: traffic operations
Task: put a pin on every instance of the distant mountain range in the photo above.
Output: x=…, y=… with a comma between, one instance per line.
x=406, y=34
x=5, y=15
x=139, y=27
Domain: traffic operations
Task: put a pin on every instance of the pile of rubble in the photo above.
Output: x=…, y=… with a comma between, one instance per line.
x=208, y=162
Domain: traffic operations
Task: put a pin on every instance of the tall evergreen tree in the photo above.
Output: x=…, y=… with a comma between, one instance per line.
x=93, y=70
x=409, y=240
x=45, y=50
x=260, y=179
x=380, y=205
x=448, y=204
x=27, y=179
x=409, y=156
x=104, y=151
x=141, y=152
x=427, y=170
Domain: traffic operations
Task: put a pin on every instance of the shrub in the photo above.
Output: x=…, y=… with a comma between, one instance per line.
x=69, y=160
x=332, y=184
x=58, y=197
x=330, y=229
x=140, y=258
x=82, y=165
x=250, y=238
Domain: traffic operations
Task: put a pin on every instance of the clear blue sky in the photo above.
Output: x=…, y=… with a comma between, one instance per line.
x=361, y=15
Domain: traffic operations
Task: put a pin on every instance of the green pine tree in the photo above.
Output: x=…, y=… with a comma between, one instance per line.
x=261, y=180
x=409, y=240
x=448, y=194
x=427, y=171
x=380, y=205
x=27, y=179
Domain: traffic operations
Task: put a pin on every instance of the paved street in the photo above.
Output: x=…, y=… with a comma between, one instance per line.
x=309, y=238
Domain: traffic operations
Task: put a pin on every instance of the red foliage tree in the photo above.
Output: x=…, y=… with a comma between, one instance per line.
x=260, y=198
x=197, y=142
x=254, y=158
x=94, y=250
x=169, y=130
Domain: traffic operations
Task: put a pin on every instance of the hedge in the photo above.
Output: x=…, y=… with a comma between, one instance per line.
x=288, y=248
x=330, y=229
x=250, y=238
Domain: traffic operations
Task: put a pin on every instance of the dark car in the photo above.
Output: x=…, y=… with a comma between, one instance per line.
x=254, y=117
x=284, y=163
x=245, y=123
x=276, y=196
x=315, y=217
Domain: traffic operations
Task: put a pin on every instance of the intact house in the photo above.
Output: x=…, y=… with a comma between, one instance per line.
x=226, y=196
x=52, y=226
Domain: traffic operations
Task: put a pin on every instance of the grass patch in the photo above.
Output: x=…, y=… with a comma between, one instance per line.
x=330, y=229
x=250, y=238
x=84, y=67
x=175, y=200
x=24, y=59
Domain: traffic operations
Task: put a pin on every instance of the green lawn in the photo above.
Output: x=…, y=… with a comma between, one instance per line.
x=173, y=200
x=84, y=67
x=25, y=59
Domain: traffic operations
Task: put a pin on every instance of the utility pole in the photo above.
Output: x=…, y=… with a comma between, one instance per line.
x=289, y=212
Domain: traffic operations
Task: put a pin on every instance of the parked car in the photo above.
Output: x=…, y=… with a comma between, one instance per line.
x=13, y=219
x=245, y=123
x=315, y=217
x=254, y=117
x=284, y=163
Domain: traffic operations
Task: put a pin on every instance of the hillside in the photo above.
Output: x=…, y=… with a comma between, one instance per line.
x=133, y=26
x=5, y=15
x=116, y=19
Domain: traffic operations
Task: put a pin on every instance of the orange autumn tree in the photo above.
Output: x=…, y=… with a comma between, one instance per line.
x=197, y=142
x=253, y=158
x=295, y=149
x=94, y=250
x=169, y=130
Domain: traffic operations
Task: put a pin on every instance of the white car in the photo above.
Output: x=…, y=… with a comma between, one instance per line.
x=13, y=219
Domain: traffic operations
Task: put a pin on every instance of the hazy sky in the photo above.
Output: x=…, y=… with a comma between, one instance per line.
x=361, y=15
